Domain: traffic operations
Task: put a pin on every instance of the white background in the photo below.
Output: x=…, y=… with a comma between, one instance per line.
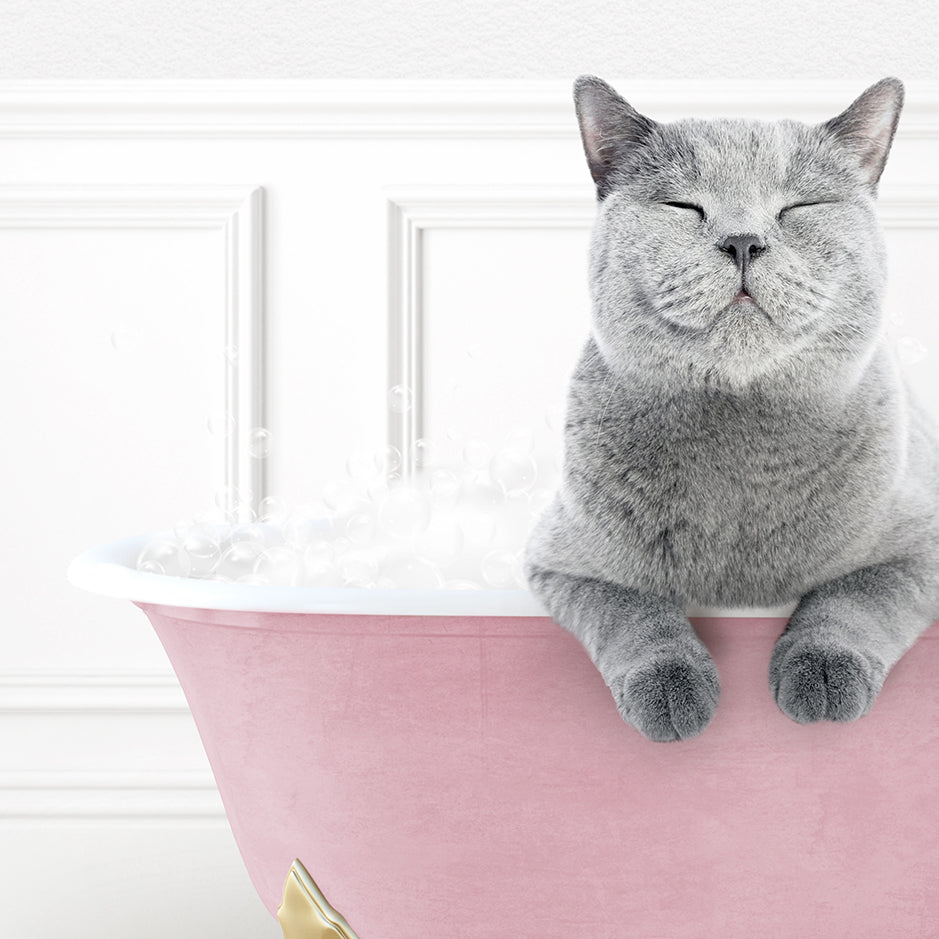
x=443, y=39
x=441, y=128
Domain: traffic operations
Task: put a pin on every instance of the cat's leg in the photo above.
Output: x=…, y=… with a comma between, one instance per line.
x=845, y=636
x=661, y=675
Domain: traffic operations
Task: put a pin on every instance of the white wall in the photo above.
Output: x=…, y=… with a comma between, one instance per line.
x=444, y=39
x=153, y=234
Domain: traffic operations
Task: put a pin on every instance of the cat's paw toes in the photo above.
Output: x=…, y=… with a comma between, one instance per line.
x=813, y=681
x=672, y=696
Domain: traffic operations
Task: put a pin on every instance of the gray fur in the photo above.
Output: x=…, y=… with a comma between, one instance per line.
x=728, y=453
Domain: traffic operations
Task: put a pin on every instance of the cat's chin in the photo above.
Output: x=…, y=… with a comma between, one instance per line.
x=743, y=312
x=741, y=346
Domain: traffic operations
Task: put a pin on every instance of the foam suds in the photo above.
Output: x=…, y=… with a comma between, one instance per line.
x=457, y=526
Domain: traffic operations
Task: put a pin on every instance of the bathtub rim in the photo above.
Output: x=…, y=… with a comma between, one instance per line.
x=110, y=569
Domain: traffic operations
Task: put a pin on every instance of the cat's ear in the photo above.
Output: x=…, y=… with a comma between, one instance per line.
x=609, y=127
x=868, y=125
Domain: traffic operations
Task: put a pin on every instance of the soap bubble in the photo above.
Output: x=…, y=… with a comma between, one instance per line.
x=125, y=339
x=203, y=551
x=364, y=465
x=221, y=424
x=340, y=496
x=554, y=419
x=164, y=556
x=249, y=531
x=358, y=568
x=259, y=442
x=340, y=544
x=513, y=520
x=404, y=512
x=462, y=585
x=182, y=527
x=514, y=470
x=199, y=543
x=235, y=503
x=207, y=519
x=400, y=399
x=478, y=529
x=521, y=439
x=390, y=459
x=424, y=453
x=911, y=350
x=253, y=580
x=280, y=566
x=500, y=569
x=444, y=487
x=319, y=569
x=403, y=570
x=308, y=523
x=239, y=559
x=361, y=528
x=539, y=501
x=273, y=510
x=477, y=453
x=377, y=489
x=440, y=543
x=477, y=492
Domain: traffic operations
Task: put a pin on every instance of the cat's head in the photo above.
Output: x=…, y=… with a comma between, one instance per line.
x=725, y=250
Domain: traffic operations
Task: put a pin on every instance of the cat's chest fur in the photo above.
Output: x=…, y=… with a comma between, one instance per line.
x=725, y=499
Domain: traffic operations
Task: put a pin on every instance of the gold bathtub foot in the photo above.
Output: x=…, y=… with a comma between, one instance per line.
x=305, y=913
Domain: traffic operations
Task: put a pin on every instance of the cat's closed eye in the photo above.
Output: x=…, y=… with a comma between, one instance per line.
x=802, y=205
x=686, y=205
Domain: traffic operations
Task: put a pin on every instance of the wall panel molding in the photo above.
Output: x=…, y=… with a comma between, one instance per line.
x=34, y=692
x=98, y=704
x=236, y=212
x=909, y=206
x=133, y=797
x=398, y=109
x=412, y=212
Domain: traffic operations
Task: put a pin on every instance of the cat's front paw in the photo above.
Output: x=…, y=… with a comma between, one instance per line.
x=669, y=696
x=814, y=679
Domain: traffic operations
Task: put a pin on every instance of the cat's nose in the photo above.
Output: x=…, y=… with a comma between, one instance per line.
x=742, y=248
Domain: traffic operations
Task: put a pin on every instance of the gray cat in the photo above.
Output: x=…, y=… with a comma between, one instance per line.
x=737, y=431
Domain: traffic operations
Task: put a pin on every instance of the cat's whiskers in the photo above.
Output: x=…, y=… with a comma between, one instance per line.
x=688, y=282
x=844, y=338
x=791, y=279
x=813, y=291
x=689, y=293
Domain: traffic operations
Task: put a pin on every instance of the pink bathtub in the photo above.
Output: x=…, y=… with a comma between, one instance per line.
x=450, y=765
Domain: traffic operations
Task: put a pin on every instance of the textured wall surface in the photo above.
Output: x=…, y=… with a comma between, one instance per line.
x=440, y=39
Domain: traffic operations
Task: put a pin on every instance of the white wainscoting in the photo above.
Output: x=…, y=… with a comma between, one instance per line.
x=186, y=262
